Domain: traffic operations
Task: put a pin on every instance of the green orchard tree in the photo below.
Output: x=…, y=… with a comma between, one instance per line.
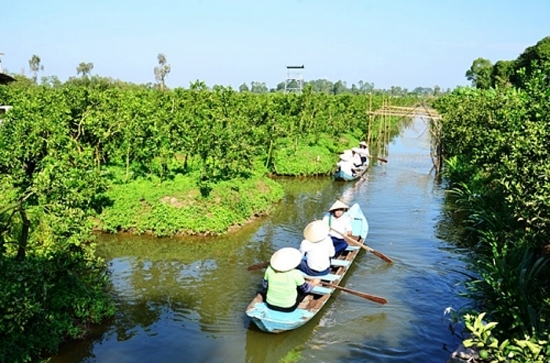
x=258, y=87
x=47, y=173
x=502, y=73
x=244, y=88
x=480, y=73
x=532, y=59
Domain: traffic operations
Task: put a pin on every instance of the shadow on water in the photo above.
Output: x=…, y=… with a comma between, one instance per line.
x=183, y=300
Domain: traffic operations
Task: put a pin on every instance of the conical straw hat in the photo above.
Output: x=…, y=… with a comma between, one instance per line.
x=316, y=231
x=363, y=143
x=285, y=259
x=344, y=157
x=338, y=205
x=361, y=151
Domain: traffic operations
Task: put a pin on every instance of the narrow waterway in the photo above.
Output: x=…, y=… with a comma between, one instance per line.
x=183, y=300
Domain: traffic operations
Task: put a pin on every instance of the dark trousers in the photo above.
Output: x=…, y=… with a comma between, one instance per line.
x=339, y=245
x=309, y=271
x=290, y=309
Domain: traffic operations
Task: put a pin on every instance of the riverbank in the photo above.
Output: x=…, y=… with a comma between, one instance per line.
x=176, y=207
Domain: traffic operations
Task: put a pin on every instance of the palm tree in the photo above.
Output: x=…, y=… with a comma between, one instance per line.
x=85, y=69
x=35, y=66
x=162, y=71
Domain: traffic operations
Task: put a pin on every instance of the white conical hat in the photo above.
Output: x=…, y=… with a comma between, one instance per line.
x=285, y=259
x=363, y=143
x=361, y=151
x=316, y=231
x=338, y=205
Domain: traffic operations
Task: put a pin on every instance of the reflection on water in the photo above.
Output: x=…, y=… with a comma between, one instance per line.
x=183, y=299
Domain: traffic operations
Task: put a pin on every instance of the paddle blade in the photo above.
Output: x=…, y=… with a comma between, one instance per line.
x=382, y=256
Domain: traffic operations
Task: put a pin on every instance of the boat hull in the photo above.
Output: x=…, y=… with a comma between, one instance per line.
x=272, y=321
x=341, y=176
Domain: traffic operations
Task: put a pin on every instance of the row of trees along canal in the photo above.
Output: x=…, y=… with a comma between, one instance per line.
x=63, y=146
x=496, y=141
x=319, y=85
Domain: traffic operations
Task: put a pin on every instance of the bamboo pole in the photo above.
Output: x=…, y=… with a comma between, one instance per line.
x=369, y=129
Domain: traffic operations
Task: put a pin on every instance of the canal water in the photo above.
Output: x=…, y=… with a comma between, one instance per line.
x=183, y=300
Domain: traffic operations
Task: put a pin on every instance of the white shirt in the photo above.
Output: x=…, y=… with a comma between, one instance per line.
x=318, y=254
x=345, y=167
x=342, y=224
x=356, y=160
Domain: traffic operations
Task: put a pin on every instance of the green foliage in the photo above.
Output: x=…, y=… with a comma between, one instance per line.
x=498, y=164
x=493, y=350
x=306, y=158
x=84, y=68
x=504, y=73
x=177, y=206
x=531, y=60
x=44, y=301
x=139, y=158
x=480, y=73
x=510, y=288
x=498, y=140
x=144, y=129
x=162, y=70
x=53, y=285
x=35, y=66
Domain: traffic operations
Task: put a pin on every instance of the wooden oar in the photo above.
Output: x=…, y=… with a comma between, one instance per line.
x=258, y=266
x=377, y=158
x=364, y=295
x=352, y=241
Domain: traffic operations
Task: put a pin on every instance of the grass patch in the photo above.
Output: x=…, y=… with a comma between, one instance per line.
x=177, y=207
x=311, y=156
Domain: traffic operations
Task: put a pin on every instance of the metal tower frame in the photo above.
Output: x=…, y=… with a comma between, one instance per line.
x=294, y=73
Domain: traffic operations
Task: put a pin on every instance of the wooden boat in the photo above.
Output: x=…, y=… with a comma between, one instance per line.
x=276, y=322
x=341, y=176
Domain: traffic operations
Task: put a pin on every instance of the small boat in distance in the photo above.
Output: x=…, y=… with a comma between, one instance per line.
x=339, y=175
x=276, y=322
x=346, y=167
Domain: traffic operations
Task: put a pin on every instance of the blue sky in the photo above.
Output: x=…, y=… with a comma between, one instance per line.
x=228, y=42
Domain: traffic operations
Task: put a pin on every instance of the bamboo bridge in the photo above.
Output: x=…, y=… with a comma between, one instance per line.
x=420, y=110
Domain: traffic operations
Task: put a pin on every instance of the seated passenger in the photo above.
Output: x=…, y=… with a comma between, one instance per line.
x=285, y=285
x=345, y=165
x=357, y=158
x=317, y=249
x=364, y=150
x=341, y=222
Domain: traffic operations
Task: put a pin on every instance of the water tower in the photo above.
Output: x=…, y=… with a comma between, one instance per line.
x=294, y=79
